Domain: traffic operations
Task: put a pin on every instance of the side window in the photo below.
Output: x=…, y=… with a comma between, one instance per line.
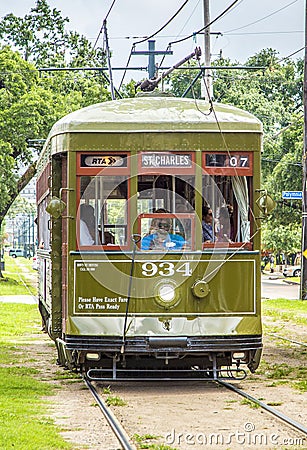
x=225, y=213
x=102, y=211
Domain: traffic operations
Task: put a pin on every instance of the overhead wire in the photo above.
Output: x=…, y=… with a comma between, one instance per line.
x=263, y=18
x=292, y=54
x=149, y=37
x=165, y=25
x=169, y=46
x=209, y=24
x=205, y=27
x=102, y=26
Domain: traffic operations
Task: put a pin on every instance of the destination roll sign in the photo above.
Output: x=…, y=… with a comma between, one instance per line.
x=166, y=160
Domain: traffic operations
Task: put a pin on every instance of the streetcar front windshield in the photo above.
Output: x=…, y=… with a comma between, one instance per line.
x=166, y=212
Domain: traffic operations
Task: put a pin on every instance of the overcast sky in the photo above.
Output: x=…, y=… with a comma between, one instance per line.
x=246, y=29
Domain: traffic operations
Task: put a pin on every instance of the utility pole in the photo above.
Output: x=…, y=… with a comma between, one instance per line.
x=303, y=290
x=151, y=52
x=207, y=76
x=109, y=59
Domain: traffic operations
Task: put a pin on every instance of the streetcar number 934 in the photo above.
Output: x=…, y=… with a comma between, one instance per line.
x=165, y=269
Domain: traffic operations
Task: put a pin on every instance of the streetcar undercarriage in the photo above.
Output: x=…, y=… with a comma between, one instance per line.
x=158, y=357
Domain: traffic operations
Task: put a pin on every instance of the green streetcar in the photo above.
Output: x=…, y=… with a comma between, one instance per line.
x=130, y=284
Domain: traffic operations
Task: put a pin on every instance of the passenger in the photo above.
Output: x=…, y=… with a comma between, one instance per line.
x=207, y=219
x=224, y=226
x=183, y=225
x=87, y=225
x=160, y=238
x=154, y=223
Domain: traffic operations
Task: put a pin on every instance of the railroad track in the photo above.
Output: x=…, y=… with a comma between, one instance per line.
x=116, y=427
x=277, y=336
x=126, y=444
x=298, y=426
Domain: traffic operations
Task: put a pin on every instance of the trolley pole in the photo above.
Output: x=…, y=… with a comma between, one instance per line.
x=303, y=287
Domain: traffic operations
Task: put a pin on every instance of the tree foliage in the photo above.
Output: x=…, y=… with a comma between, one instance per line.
x=285, y=238
x=41, y=37
x=29, y=102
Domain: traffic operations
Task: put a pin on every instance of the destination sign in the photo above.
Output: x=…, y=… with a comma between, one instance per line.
x=169, y=160
x=103, y=160
x=292, y=195
x=226, y=160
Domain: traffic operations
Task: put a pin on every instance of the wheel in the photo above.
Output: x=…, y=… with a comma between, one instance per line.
x=297, y=273
x=13, y=255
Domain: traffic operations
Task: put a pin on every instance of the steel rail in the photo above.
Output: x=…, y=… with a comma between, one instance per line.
x=276, y=336
x=280, y=415
x=111, y=419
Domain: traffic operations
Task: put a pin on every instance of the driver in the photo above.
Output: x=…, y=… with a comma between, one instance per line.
x=161, y=238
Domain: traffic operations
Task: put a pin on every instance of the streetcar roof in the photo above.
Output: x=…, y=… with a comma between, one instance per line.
x=145, y=114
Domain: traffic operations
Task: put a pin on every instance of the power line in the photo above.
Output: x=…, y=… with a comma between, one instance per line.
x=263, y=18
x=165, y=25
x=278, y=161
x=168, y=36
x=149, y=37
x=109, y=10
x=292, y=54
x=209, y=24
x=259, y=33
x=102, y=26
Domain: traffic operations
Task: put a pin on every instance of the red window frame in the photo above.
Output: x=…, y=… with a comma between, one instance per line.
x=102, y=171
x=229, y=170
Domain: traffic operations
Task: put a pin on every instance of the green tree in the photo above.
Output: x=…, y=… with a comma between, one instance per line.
x=28, y=109
x=41, y=37
x=30, y=104
x=285, y=238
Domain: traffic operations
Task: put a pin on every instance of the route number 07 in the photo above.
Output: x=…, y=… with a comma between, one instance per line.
x=233, y=161
x=165, y=269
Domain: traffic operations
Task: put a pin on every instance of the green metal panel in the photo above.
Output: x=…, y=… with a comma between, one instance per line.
x=234, y=294
x=165, y=326
x=162, y=141
x=56, y=252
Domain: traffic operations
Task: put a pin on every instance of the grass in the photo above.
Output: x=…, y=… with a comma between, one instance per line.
x=144, y=442
x=250, y=403
x=300, y=385
x=115, y=401
x=24, y=423
x=15, y=325
x=287, y=310
x=18, y=277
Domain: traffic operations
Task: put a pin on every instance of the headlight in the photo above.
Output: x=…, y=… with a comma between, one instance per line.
x=166, y=294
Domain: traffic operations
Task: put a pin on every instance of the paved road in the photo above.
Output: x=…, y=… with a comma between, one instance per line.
x=28, y=299
x=273, y=287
